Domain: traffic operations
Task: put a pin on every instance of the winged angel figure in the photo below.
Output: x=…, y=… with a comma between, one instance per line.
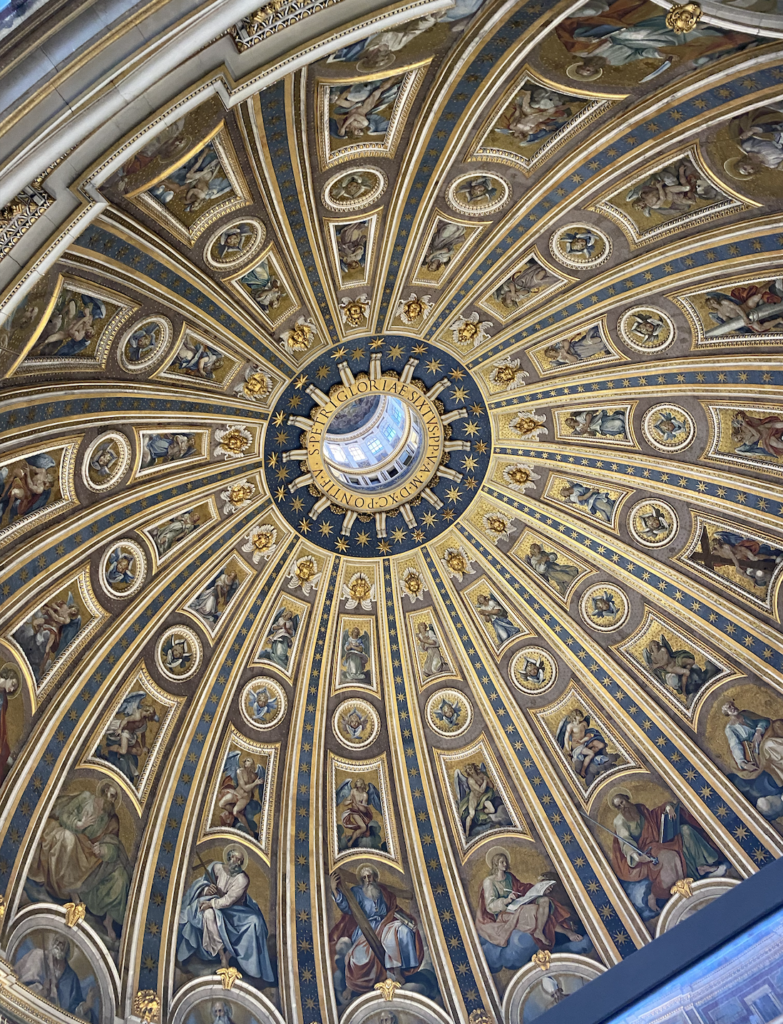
x=263, y=704
x=126, y=734
x=584, y=746
x=481, y=807
x=358, y=827
x=241, y=792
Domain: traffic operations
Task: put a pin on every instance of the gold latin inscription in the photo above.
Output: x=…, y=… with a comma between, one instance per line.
x=428, y=463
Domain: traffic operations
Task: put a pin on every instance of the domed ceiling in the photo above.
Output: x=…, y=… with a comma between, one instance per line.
x=391, y=496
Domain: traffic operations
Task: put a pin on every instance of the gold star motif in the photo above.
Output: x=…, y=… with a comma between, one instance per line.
x=298, y=504
x=338, y=352
x=398, y=534
x=281, y=437
x=300, y=382
x=471, y=482
x=294, y=401
x=418, y=349
x=476, y=409
x=449, y=514
x=418, y=535
x=322, y=371
x=395, y=352
x=384, y=547
x=453, y=494
x=470, y=428
x=273, y=459
x=469, y=462
x=304, y=526
x=459, y=394
x=280, y=494
x=326, y=529
x=376, y=343
x=279, y=419
x=282, y=473
x=434, y=365
x=481, y=447
x=457, y=374
x=341, y=544
x=358, y=353
x=363, y=538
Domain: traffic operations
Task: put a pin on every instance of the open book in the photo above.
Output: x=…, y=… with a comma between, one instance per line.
x=533, y=893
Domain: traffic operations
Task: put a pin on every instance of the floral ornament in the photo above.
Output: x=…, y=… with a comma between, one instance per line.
x=359, y=590
x=457, y=562
x=232, y=442
x=412, y=583
x=497, y=526
x=256, y=385
x=507, y=375
x=471, y=331
x=529, y=425
x=236, y=496
x=354, y=311
x=304, y=574
x=300, y=337
x=519, y=477
x=413, y=309
x=261, y=542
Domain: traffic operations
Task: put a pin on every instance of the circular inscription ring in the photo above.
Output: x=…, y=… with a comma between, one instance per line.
x=343, y=394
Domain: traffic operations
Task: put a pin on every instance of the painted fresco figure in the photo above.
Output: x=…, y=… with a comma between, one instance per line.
x=597, y=423
x=398, y=933
x=590, y=499
x=126, y=735
x=656, y=847
x=567, y=351
x=48, y=974
x=213, y=600
x=355, y=655
x=756, y=745
x=677, y=669
x=443, y=245
x=362, y=108
x=584, y=745
x=80, y=857
x=166, y=448
x=480, y=806
x=493, y=612
x=175, y=530
x=9, y=684
x=48, y=632
x=201, y=178
x=220, y=920
x=429, y=645
x=26, y=487
x=746, y=309
x=545, y=564
x=280, y=638
x=241, y=792
x=509, y=937
x=358, y=826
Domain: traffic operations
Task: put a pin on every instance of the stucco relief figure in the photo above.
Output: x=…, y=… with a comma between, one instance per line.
x=429, y=645
x=654, y=847
x=524, y=283
x=374, y=939
x=80, y=857
x=514, y=919
x=220, y=920
x=756, y=745
x=47, y=972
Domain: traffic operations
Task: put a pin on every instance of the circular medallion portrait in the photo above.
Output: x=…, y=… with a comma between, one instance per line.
x=106, y=461
x=144, y=344
x=354, y=189
x=477, y=194
x=668, y=428
x=652, y=523
x=645, y=329
x=449, y=712
x=580, y=245
x=10, y=681
x=533, y=670
x=178, y=652
x=604, y=607
x=355, y=723
x=123, y=567
x=234, y=244
x=263, y=703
